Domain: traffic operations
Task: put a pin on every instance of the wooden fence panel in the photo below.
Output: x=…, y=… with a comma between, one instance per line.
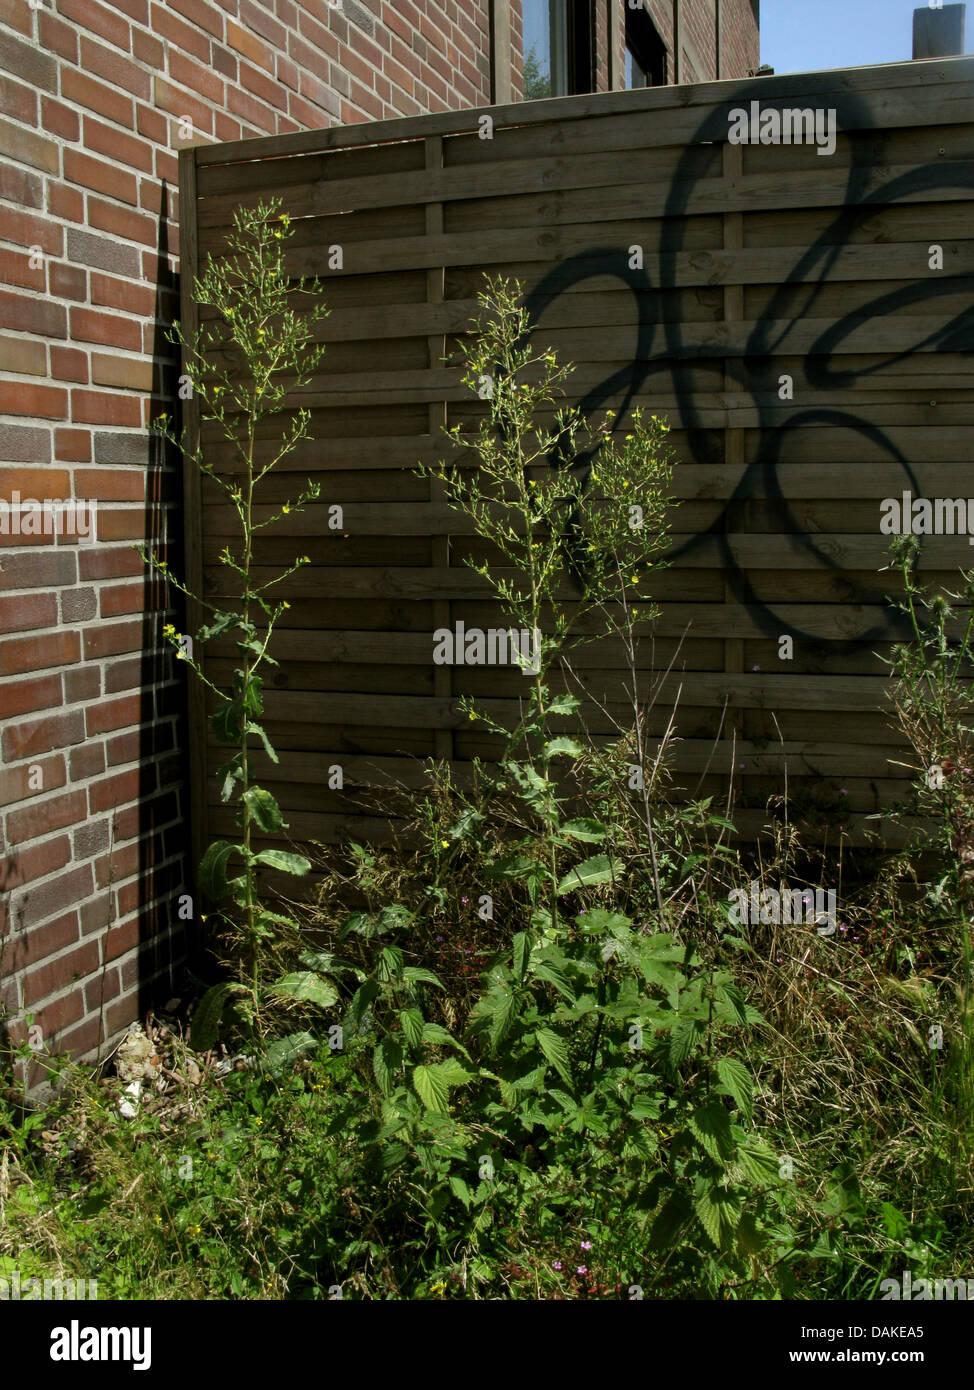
x=760, y=262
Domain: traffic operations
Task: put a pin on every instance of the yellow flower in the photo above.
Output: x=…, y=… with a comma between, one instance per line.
x=445, y=844
x=285, y=509
x=634, y=578
x=193, y=1230
x=285, y=604
x=169, y=630
x=258, y=1120
x=158, y=1220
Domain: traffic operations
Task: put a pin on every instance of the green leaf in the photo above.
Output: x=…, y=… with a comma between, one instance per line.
x=307, y=985
x=253, y=728
x=670, y=1220
x=361, y=1000
x=547, y=970
x=718, y=1211
x=685, y=1039
x=418, y=976
x=205, y=1027
x=566, y=746
x=453, y=1073
x=710, y=1124
x=212, y=875
x=556, y=1052
x=600, y=869
x=737, y=1082
x=386, y=1061
x=263, y=809
x=584, y=829
x=758, y=1163
x=460, y=1190
x=431, y=1087
x=284, y=1052
x=288, y=863
x=522, y=952
x=412, y=1026
x=433, y=1033
x=564, y=704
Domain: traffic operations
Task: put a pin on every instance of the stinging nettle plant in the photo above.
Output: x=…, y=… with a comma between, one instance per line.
x=243, y=366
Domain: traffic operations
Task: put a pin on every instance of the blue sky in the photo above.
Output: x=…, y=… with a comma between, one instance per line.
x=802, y=35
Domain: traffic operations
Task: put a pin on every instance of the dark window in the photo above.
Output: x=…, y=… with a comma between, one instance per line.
x=557, y=38
x=645, y=51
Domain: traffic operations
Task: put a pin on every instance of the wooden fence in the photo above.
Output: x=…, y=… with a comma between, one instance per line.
x=760, y=262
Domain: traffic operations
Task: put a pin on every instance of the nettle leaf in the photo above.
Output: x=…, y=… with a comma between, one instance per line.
x=598, y=919
x=417, y=975
x=561, y=746
x=522, y=952
x=554, y=975
x=263, y=809
x=556, y=1052
x=284, y=1052
x=711, y=1126
x=512, y=866
x=431, y=1087
x=685, y=1039
x=288, y=863
x=412, y=1026
x=599, y=869
x=386, y=1061
x=361, y=999
x=460, y=1190
x=758, y=1163
x=737, y=1082
x=719, y=1212
x=307, y=986
x=584, y=829
x=213, y=870
x=670, y=1220
x=433, y=1033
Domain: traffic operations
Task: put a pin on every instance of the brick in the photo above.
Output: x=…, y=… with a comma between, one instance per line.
x=54, y=936
x=44, y=817
x=27, y=230
x=180, y=34
x=226, y=129
x=120, y=676
x=67, y=281
x=134, y=374
x=148, y=50
x=108, y=101
x=117, y=525
x=122, y=862
x=121, y=222
x=72, y=446
x=34, y=653
x=85, y=1039
x=153, y=126
x=21, y=783
x=108, y=563
x=78, y=605
x=117, y=70
x=115, y=791
x=113, y=714
x=113, y=447
x=39, y=567
x=55, y=974
x=117, y=600
x=29, y=148
x=167, y=167
x=89, y=14
x=92, y=838
x=66, y=202
x=249, y=46
x=263, y=87
x=179, y=103
x=61, y=38
x=91, y=173
x=256, y=18
x=56, y=1016
x=222, y=59
x=87, y=761
x=113, y=639
x=35, y=482
x=18, y=186
x=99, y=408
x=114, y=293
x=188, y=73
x=23, y=398
x=98, y=992
x=200, y=13
x=59, y=119
x=69, y=364
x=102, y=254
x=24, y=355
x=250, y=110
x=91, y=326
x=18, y=101
x=118, y=147
x=33, y=315
x=28, y=740
x=17, y=14
x=32, y=66
x=16, y=269
x=26, y=612
x=135, y=9
x=23, y=697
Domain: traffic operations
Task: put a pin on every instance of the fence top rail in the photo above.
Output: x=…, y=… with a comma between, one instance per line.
x=877, y=78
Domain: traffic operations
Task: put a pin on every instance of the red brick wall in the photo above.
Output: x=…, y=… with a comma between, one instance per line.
x=92, y=804
x=92, y=807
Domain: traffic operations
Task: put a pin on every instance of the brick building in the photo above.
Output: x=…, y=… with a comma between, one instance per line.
x=96, y=100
